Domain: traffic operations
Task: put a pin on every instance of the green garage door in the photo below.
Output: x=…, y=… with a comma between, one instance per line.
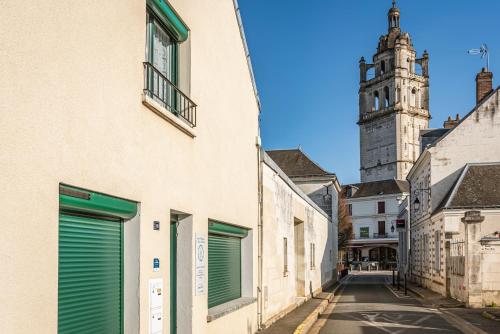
x=90, y=275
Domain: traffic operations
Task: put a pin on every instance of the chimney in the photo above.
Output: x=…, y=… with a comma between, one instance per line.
x=484, y=84
x=451, y=123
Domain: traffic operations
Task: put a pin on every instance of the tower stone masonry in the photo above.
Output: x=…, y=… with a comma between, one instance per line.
x=393, y=105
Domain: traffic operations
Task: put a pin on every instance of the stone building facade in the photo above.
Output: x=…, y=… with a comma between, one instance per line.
x=298, y=251
x=457, y=173
x=393, y=105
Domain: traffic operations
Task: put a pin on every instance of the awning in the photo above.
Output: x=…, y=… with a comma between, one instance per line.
x=170, y=18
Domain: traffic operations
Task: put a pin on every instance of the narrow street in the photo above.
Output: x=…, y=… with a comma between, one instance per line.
x=365, y=304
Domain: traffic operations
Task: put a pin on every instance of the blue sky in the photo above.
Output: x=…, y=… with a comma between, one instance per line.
x=305, y=56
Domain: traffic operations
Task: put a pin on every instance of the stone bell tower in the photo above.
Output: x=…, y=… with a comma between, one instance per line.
x=393, y=104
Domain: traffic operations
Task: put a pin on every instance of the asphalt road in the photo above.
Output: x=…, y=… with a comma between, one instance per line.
x=366, y=305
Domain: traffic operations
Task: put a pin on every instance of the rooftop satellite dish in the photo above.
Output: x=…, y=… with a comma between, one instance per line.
x=484, y=52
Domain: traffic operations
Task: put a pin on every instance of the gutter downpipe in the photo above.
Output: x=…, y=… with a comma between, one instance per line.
x=260, y=237
x=247, y=52
x=260, y=160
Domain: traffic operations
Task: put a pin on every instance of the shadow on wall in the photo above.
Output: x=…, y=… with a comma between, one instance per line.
x=328, y=270
x=441, y=189
x=323, y=200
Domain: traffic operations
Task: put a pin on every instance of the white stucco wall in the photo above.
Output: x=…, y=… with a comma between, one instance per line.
x=475, y=139
x=72, y=79
x=365, y=214
x=283, y=207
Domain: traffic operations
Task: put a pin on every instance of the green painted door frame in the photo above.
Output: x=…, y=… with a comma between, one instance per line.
x=173, y=276
x=91, y=261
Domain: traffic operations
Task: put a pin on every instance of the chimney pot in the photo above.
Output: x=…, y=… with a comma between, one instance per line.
x=484, y=84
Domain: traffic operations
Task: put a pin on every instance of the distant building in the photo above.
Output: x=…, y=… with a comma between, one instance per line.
x=393, y=105
x=374, y=208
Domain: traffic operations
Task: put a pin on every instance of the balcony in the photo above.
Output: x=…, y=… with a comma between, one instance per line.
x=163, y=91
x=380, y=235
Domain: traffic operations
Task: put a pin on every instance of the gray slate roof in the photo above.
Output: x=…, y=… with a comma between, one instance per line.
x=385, y=187
x=477, y=187
x=296, y=163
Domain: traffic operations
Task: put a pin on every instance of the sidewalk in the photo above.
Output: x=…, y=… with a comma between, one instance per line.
x=290, y=322
x=473, y=319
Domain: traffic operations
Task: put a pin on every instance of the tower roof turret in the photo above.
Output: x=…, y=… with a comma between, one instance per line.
x=393, y=17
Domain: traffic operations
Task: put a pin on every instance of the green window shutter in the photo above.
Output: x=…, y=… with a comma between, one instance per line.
x=224, y=269
x=176, y=27
x=90, y=290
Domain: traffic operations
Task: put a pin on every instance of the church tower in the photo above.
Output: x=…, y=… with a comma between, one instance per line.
x=393, y=105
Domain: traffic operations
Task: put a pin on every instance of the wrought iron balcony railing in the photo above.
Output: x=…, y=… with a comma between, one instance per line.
x=163, y=91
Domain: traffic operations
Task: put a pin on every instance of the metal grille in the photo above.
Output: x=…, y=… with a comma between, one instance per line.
x=457, y=257
x=162, y=90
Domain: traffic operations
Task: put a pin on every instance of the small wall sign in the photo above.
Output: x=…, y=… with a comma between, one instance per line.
x=200, y=260
x=156, y=225
x=156, y=264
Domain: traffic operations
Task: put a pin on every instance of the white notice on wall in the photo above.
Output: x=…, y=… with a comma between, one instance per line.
x=200, y=255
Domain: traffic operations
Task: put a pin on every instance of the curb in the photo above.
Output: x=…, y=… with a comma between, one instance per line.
x=488, y=315
x=465, y=326
x=308, y=322
x=415, y=292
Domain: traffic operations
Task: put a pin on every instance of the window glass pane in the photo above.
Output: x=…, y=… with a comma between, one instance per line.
x=364, y=232
x=162, y=50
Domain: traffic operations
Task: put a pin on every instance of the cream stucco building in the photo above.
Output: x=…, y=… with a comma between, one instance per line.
x=129, y=138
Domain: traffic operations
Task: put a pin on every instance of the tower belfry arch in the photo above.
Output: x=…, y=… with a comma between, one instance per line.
x=393, y=105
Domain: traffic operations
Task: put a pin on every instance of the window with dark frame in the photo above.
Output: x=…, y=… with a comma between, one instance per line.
x=381, y=228
x=381, y=207
x=349, y=209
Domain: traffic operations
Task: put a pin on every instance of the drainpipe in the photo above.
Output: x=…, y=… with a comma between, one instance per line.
x=259, y=168
x=260, y=301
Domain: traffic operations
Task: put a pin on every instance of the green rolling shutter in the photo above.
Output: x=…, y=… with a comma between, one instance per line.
x=224, y=269
x=170, y=19
x=90, y=296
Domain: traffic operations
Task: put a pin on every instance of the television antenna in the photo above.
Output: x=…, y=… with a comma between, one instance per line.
x=484, y=52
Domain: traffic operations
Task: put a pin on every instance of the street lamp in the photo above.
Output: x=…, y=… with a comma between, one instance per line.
x=416, y=204
x=392, y=228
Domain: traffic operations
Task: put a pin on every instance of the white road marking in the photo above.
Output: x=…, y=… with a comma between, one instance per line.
x=388, y=323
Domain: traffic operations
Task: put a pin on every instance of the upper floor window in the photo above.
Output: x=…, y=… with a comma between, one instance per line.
x=381, y=207
x=349, y=209
x=162, y=52
x=386, y=97
x=165, y=33
x=376, y=101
